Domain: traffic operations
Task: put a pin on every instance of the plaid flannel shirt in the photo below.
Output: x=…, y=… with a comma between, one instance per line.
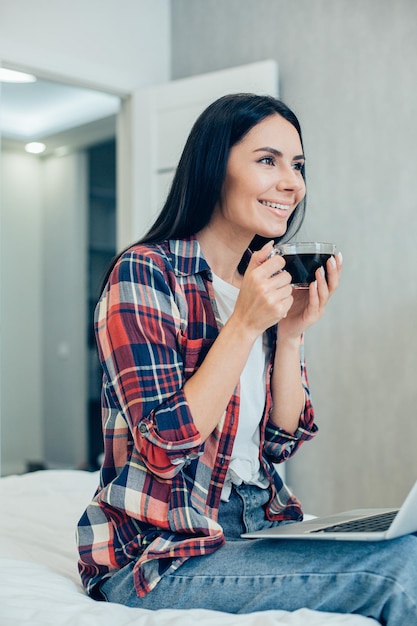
x=160, y=484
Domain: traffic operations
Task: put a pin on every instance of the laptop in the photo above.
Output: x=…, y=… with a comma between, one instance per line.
x=357, y=525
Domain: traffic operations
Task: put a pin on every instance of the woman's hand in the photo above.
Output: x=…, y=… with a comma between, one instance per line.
x=266, y=294
x=309, y=305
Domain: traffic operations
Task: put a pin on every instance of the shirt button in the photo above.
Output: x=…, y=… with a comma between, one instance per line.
x=143, y=429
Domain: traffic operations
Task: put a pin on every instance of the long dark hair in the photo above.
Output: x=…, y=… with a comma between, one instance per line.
x=201, y=171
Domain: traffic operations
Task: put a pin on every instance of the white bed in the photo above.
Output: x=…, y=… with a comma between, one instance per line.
x=38, y=565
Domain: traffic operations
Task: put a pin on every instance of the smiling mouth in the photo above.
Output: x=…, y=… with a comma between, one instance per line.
x=275, y=205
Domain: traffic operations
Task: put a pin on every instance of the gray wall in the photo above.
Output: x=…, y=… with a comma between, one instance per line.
x=20, y=311
x=43, y=301
x=65, y=312
x=348, y=69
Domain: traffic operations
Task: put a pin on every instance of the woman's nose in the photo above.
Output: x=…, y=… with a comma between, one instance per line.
x=290, y=178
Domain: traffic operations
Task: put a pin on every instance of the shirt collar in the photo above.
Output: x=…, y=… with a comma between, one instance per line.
x=187, y=257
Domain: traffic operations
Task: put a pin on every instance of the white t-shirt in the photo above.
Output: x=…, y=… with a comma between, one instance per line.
x=244, y=465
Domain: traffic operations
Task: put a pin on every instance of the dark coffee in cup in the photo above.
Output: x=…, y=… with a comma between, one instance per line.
x=303, y=260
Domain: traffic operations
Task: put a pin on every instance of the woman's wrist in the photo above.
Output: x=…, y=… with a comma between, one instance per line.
x=289, y=341
x=241, y=330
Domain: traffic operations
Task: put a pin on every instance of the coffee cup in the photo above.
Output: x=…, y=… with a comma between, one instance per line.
x=302, y=259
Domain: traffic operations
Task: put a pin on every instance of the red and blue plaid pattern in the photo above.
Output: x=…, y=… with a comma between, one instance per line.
x=160, y=485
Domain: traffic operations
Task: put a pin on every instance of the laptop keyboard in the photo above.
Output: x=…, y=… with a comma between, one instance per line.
x=374, y=523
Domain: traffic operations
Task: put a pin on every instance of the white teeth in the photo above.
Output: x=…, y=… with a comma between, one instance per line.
x=273, y=205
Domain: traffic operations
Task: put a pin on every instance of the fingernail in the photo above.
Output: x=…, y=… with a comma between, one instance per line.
x=333, y=261
x=340, y=257
x=322, y=272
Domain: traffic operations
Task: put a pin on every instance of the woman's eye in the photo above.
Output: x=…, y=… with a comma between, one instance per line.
x=298, y=166
x=268, y=160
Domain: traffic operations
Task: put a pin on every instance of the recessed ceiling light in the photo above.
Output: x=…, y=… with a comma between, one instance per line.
x=35, y=147
x=11, y=76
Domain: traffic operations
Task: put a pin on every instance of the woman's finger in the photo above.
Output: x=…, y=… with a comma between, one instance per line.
x=265, y=263
x=333, y=268
x=322, y=285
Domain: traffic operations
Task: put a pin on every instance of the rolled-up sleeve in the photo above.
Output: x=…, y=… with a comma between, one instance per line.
x=280, y=445
x=138, y=322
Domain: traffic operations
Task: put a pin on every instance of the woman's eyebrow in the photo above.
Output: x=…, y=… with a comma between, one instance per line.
x=278, y=153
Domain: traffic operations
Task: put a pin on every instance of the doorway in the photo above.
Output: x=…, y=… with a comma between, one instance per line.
x=46, y=277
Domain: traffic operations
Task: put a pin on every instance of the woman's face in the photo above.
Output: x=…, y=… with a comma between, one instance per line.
x=263, y=182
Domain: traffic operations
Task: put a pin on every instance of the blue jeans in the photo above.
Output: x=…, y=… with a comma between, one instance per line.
x=373, y=579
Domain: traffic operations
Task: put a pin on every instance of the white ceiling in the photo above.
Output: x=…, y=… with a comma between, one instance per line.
x=46, y=110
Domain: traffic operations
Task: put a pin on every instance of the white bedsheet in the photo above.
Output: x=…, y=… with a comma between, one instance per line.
x=39, y=584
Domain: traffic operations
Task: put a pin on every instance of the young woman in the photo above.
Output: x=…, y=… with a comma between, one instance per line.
x=200, y=335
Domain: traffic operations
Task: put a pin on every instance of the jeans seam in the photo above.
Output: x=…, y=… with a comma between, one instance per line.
x=273, y=577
